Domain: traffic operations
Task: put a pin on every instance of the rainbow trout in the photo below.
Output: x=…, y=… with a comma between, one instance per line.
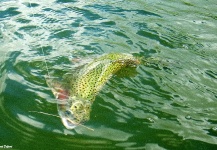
x=79, y=90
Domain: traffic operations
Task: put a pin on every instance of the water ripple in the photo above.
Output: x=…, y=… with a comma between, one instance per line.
x=169, y=104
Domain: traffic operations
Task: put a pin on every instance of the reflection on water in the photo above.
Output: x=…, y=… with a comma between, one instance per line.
x=170, y=104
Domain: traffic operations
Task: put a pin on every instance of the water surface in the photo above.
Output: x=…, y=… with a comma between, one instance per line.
x=170, y=104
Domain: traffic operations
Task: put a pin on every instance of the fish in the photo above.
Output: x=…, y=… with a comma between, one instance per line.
x=76, y=92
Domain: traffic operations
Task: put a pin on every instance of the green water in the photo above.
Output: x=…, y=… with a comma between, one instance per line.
x=171, y=104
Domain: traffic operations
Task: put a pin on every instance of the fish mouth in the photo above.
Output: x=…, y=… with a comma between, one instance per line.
x=73, y=113
x=66, y=115
x=68, y=119
x=68, y=123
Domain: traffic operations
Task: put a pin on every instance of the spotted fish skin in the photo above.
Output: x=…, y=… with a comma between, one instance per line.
x=95, y=74
x=78, y=92
x=91, y=78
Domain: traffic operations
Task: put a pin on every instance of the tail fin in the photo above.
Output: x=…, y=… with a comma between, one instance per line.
x=154, y=62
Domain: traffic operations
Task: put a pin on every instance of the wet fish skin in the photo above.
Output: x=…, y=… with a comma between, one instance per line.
x=76, y=96
x=91, y=78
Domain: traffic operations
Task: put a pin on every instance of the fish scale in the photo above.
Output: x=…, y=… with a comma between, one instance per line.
x=78, y=90
x=92, y=78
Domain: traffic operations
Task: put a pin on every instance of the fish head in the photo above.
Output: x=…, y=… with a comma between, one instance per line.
x=81, y=110
x=74, y=112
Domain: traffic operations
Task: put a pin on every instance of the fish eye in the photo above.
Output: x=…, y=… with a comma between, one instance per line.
x=67, y=112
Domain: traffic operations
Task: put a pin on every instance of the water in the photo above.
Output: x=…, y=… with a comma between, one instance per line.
x=171, y=104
